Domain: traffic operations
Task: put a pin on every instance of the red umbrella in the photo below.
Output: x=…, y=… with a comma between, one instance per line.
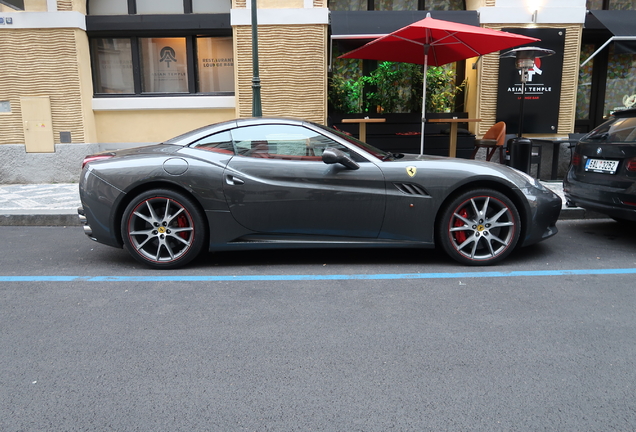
x=436, y=42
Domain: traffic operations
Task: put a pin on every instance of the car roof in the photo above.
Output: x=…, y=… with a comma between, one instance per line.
x=625, y=113
x=201, y=132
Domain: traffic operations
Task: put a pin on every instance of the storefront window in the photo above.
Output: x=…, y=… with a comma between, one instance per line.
x=17, y=4
x=211, y=6
x=164, y=66
x=159, y=6
x=348, y=5
x=114, y=73
x=216, y=64
x=584, y=90
x=445, y=5
x=620, y=92
x=110, y=7
x=622, y=5
x=396, y=5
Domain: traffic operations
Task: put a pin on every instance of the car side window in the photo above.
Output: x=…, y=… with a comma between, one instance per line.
x=219, y=143
x=287, y=142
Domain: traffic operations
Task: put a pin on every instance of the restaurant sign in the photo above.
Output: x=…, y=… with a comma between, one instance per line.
x=543, y=87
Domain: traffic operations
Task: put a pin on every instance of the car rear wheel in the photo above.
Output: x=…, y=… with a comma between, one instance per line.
x=479, y=227
x=163, y=229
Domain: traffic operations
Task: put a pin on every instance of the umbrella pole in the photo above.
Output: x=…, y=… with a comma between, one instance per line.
x=426, y=47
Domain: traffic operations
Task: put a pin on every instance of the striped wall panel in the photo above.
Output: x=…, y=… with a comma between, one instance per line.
x=293, y=71
x=64, y=5
x=40, y=62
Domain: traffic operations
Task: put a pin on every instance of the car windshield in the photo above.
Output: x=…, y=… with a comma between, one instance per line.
x=380, y=154
x=616, y=130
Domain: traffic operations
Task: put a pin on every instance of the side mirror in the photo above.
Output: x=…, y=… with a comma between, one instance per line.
x=333, y=156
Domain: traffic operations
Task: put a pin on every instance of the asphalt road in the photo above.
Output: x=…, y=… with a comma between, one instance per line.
x=360, y=340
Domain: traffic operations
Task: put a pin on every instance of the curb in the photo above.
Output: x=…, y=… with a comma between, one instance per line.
x=64, y=217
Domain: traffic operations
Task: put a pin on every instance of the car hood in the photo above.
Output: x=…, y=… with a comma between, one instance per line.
x=464, y=168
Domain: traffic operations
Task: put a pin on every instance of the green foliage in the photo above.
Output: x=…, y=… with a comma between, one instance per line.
x=392, y=88
x=441, y=89
x=345, y=95
x=397, y=87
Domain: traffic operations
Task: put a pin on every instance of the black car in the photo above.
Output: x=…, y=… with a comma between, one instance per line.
x=284, y=183
x=602, y=176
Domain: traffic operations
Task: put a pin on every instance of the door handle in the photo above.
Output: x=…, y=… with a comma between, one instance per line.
x=233, y=181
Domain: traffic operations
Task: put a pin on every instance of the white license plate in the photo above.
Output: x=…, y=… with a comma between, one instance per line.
x=602, y=166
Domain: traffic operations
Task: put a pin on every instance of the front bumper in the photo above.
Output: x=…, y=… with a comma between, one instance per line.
x=544, y=213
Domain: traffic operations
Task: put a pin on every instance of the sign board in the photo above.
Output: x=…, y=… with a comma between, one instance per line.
x=543, y=89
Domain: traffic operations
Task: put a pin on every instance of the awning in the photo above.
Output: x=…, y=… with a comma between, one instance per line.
x=621, y=24
x=352, y=29
x=372, y=24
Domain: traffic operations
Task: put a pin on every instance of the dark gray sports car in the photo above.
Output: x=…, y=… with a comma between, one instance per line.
x=283, y=183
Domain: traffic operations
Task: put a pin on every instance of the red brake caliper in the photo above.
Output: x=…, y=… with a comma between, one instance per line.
x=182, y=222
x=460, y=236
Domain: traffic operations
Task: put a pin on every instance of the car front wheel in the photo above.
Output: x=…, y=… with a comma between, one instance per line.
x=163, y=229
x=479, y=227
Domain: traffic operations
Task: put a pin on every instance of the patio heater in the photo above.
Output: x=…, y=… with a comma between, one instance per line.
x=521, y=148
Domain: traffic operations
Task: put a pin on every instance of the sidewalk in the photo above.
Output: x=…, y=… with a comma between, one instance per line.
x=39, y=204
x=56, y=204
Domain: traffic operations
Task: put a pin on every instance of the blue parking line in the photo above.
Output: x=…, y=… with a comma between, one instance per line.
x=317, y=277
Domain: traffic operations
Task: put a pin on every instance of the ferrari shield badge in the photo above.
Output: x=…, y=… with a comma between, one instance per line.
x=411, y=171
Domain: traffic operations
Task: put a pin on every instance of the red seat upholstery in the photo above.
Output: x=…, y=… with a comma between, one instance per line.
x=260, y=149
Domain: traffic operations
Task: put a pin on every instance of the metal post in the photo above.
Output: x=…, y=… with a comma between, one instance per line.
x=524, y=74
x=257, y=110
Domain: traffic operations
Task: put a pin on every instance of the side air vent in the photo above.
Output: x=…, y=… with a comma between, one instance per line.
x=411, y=189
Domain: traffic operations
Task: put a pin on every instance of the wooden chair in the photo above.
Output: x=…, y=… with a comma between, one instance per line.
x=492, y=141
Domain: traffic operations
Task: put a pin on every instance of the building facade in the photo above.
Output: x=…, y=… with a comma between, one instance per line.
x=81, y=76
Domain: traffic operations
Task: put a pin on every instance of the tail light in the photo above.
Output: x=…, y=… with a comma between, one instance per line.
x=631, y=164
x=94, y=158
x=576, y=158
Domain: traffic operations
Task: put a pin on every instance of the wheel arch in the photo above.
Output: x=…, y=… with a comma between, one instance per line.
x=510, y=192
x=145, y=187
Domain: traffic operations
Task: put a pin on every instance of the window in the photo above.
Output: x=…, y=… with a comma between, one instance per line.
x=155, y=7
x=218, y=143
x=159, y=6
x=621, y=74
x=396, y=5
x=110, y=7
x=164, y=66
x=610, y=4
x=295, y=143
x=216, y=64
x=584, y=90
x=113, y=69
x=132, y=54
x=159, y=65
x=14, y=4
x=211, y=6
x=618, y=130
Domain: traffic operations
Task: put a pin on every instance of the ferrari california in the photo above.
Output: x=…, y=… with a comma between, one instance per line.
x=286, y=183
